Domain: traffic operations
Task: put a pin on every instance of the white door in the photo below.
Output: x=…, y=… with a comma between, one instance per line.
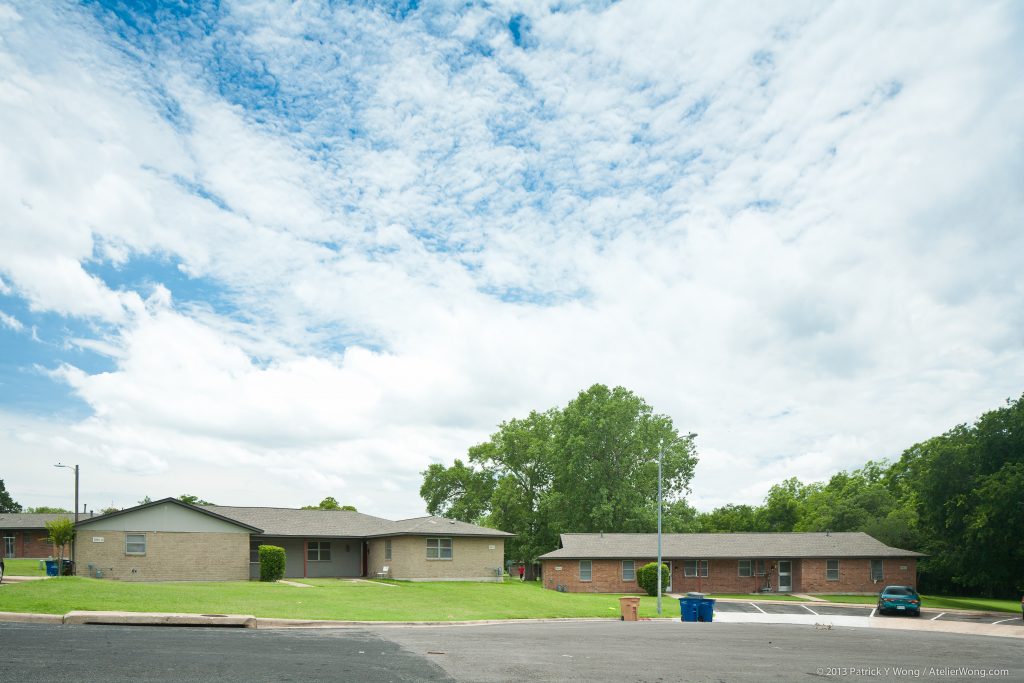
x=8, y=546
x=785, y=576
x=668, y=588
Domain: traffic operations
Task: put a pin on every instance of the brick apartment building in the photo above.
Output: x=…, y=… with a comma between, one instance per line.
x=843, y=562
x=25, y=534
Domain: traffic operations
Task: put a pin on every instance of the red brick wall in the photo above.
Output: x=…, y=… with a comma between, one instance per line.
x=723, y=576
x=33, y=544
x=855, y=575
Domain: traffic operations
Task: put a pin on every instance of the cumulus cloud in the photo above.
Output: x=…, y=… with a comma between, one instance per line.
x=793, y=229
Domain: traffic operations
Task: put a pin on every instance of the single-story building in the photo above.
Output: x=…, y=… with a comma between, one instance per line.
x=828, y=562
x=25, y=534
x=168, y=540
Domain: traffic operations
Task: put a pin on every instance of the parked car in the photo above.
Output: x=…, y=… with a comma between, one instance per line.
x=899, y=599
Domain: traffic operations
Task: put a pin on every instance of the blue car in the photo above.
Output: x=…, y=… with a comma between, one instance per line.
x=899, y=599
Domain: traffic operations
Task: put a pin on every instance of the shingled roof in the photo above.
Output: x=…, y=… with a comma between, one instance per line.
x=28, y=520
x=744, y=545
x=306, y=523
x=438, y=526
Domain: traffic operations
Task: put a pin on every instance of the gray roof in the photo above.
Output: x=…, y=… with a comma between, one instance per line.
x=438, y=526
x=26, y=520
x=307, y=523
x=742, y=545
x=174, y=501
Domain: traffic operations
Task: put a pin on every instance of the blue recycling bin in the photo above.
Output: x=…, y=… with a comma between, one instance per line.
x=688, y=609
x=51, y=567
x=705, y=610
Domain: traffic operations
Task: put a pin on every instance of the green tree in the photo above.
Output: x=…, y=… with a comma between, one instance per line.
x=329, y=503
x=145, y=500
x=62, y=532
x=730, y=518
x=7, y=503
x=591, y=466
x=46, y=509
x=108, y=510
x=193, y=500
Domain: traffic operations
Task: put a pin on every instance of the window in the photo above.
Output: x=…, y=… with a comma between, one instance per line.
x=439, y=548
x=586, y=570
x=744, y=568
x=254, y=551
x=693, y=568
x=832, y=570
x=876, y=570
x=135, y=544
x=758, y=567
x=318, y=551
x=628, y=570
x=387, y=548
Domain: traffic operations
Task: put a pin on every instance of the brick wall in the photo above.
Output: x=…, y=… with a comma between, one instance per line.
x=723, y=576
x=855, y=575
x=473, y=559
x=170, y=556
x=34, y=543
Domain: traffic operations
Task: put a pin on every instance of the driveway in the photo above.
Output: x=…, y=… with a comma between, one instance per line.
x=851, y=615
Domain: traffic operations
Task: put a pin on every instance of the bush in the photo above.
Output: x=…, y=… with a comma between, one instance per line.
x=271, y=563
x=647, y=577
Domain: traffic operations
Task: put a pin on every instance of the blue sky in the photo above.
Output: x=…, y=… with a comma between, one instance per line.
x=266, y=252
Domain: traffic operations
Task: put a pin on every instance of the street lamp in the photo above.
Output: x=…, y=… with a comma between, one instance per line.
x=75, y=468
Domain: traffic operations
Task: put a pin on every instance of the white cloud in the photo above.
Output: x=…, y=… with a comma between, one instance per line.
x=794, y=230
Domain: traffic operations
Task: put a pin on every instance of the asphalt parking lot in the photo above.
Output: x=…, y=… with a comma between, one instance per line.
x=822, y=609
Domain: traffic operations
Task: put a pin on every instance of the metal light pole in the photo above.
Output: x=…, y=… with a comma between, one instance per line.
x=76, y=507
x=661, y=454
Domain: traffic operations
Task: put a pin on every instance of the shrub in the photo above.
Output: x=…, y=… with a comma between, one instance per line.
x=647, y=577
x=271, y=563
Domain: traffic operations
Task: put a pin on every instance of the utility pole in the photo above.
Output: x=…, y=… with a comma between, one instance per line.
x=661, y=455
x=76, y=512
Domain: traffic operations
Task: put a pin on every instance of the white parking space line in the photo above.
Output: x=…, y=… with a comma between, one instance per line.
x=759, y=609
x=1003, y=621
x=810, y=610
x=872, y=612
x=936, y=617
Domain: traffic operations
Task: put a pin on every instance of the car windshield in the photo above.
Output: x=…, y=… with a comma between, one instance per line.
x=898, y=590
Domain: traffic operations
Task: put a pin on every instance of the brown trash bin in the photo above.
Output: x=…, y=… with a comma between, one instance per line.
x=630, y=608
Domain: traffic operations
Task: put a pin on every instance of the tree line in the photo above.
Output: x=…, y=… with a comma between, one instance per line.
x=592, y=466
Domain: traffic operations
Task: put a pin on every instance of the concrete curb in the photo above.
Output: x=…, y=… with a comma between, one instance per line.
x=161, y=619
x=29, y=618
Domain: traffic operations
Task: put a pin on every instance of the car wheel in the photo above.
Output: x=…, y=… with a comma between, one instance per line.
x=917, y=613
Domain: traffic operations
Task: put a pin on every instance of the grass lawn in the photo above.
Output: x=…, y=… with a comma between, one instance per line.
x=326, y=599
x=757, y=596
x=937, y=602
x=23, y=567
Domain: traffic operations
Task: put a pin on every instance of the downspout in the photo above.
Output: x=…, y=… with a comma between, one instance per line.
x=305, y=559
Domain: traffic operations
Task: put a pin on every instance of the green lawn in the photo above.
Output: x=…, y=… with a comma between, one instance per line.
x=327, y=599
x=937, y=602
x=757, y=596
x=23, y=567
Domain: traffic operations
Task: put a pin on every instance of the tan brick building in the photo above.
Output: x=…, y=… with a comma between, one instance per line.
x=846, y=562
x=168, y=540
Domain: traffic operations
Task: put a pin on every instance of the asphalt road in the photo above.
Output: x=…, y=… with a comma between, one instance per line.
x=822, y=609
x=567, y=651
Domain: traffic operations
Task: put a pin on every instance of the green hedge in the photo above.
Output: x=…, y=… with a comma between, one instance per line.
x=271, y=563
x=647, y=577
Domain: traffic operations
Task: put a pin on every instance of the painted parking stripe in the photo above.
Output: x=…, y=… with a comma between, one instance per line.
x=759, y=609
x=810, y=610
x=937, y=616
x=1003, y=621
x=872, y=612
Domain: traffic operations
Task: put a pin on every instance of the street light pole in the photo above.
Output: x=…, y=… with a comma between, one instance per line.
x=76, y=508
x=661, y=455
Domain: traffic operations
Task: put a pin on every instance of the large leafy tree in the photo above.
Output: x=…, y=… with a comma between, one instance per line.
x=329, y=503
x=7, y=503
x=591, y=466
x=193, y=500
x=47, y=509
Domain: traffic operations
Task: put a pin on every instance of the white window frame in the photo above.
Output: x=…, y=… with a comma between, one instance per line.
x=881, y=570
x=129, y=543
x=831, y=570
x=387, y=548
x=744, y=568
x=322, y=548
x=630, y=574
x=440, y=548
x=693, y=569
x=590, y=570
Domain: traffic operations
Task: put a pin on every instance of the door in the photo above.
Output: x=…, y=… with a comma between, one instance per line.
x=785, y=576
x=8, y=546
x=668, y=588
